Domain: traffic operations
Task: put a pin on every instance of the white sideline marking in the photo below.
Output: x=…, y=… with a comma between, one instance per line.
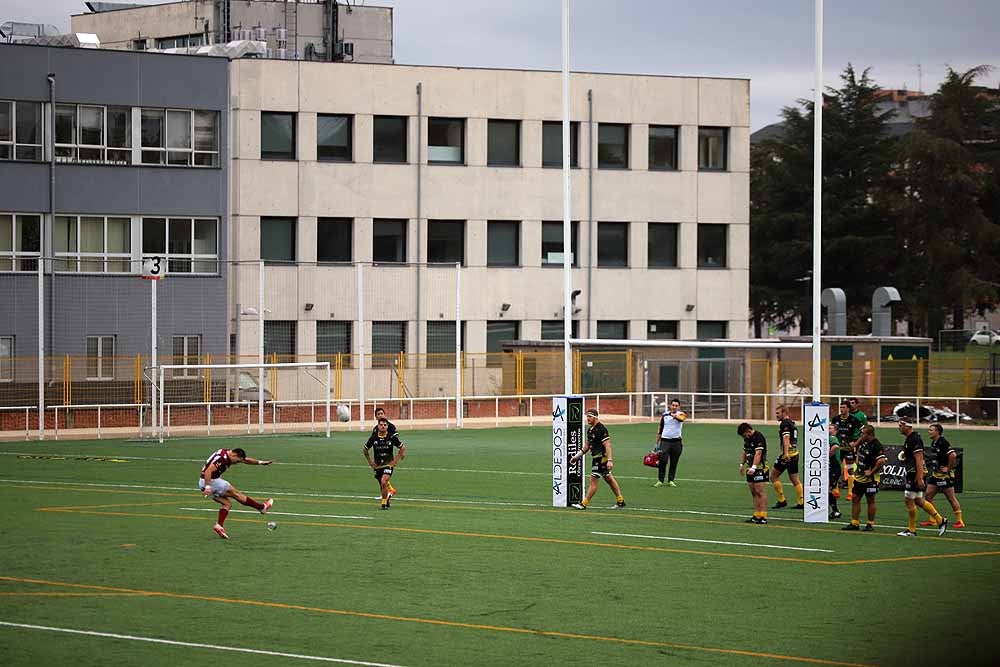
x=235, y=649
x=318, y=516
x=732, y=544
x=442, y=501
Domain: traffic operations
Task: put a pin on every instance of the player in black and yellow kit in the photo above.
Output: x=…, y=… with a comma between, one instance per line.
x=848, y=432
x=870, y=459
x=753, y=459
x=788, y=459
x=379, y=414
x=834, y=472
x=912, y=457
x=599, y=445
x=386, y=456
x=943, y=459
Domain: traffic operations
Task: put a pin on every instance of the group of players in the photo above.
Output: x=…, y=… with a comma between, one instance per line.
x=856, y=461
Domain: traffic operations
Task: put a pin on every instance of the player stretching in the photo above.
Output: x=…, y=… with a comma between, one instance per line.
x=384, y=463
x=221, y=491
x=788, y=459
x=379, y=414
x=599, y=445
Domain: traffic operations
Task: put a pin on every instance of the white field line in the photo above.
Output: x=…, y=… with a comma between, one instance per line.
x=732, y=544
x=316, y=516
x=213, y=647
x=442, y=501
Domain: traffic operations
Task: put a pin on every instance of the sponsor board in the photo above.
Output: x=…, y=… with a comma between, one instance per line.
x=816, y=468
x=893, y=474
x=567, y=440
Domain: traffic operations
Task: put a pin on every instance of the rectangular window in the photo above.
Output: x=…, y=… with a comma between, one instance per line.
x=553, y=329
x=100, y=357
x=187, y=351
x=153, y=136
x=503, y=143
x=6, y=358
x=612, y=244
x=334, y=239
x=388, y=340
x=441, y=344
x=612, y=329
x=389, y=241
x=445, y=241
x=138, y=44
x=94, y=134
x=713, y=148
x=503, y=243
x=277, y=135
x=279, y=341
x=20, y=242
x=661, y=330
x=92, y=244
x=552, y=243
x=334, y=137
x=711, y=329
x=390, y=139
x=188, y=245
x=446, y=140
x=179, y=137
x=552, y=143
x=663, y=147
x=333, y=337
x=497, y=333
x=712, y=242
x=662, y=245
x=206, y=139
x=277, y=239
x=612, y=146
x=20, y=130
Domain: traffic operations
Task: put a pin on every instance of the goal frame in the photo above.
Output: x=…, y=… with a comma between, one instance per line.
x=160, y=373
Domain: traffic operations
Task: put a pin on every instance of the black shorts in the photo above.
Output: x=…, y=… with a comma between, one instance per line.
x=757, y=476
x=848, y=459
x=835, y=472
x=864, y=488
x=599, y=469
x=911, y=484
x=941, y=483
x=791, y=464
x=384, y=470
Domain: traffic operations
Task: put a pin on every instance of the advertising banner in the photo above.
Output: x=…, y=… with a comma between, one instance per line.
x=567, y=440
x=816, y=462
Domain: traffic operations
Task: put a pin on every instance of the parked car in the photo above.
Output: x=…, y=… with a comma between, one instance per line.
x=985, y=337
x=249, y=390
x=928, y=413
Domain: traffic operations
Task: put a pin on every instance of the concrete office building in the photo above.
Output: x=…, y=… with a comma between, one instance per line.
x=141, y=169
x=324, y=30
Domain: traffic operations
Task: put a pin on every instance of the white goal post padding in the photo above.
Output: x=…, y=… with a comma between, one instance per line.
x=167, y=372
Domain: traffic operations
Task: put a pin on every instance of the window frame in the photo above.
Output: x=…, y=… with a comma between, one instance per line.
x=269, y=341
x=401, y=245
x=346, y=359
x=82, y=262
x=650, y=263
x=703, y=257
x=405, y=139
x=446, y=243
x=446, y=358
x=493, y=357
x=101, y=359
x=379, y=338
x=651, y=326
x=623, y=323
x=280, y=155
x=496, y=224
x=622, y=263
x=574, y=329
x=574, y=245
x=703, y=134
x=491, y=159
x=165, y=152
x=20, y=261
x=723, y=323
x=7, y=360
x=461, y=147
x=574, y=144
x=176, y=259
x=675, y=156
x=11, y=148
x=349, y=244
x=293, y=223
x=603, y=163
x=350, y=138
x=71, y=152
x=185, y=356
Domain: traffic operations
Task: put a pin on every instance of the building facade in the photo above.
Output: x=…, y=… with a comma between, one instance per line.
x=141, y=169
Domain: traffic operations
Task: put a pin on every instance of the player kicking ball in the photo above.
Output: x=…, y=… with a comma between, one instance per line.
x=221, y=491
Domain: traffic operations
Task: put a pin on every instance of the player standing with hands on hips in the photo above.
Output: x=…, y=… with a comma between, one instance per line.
x=599, y=445
x=668, y=442
x=221, y=491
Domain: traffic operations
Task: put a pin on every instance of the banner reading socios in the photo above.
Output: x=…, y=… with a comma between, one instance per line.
x=816, y=472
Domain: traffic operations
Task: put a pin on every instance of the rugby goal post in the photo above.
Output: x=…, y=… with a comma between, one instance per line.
x=288, y=384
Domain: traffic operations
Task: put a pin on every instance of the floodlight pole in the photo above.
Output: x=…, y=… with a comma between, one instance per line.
x=567, y=240
x=817, y=356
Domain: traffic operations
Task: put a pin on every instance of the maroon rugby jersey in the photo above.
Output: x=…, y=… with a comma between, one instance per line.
x=221, y=460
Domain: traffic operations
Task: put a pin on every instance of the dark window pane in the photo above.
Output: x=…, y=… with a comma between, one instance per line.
x=441, y=344
x=552, y=243
x=446, y=241
x=712, y=148
x=65, y=124
x=709, y=329
x=179, y=237
x=388, y=340
x=277, y=239
x=553, y=329
x=712, y=246
x=29, y=123
x=662, y=147
x=612, y=244
x=661, y=330
x=390, y=139
x=333, y=137
x=154, y=236
x=612, y=146
x=552, y=143
x=332, y=338
x=503, y=243
x=613, y=329
x=119, y=127
x=662, y=245
x=334, y=239
x=279, y=339
x=503, y=143
x=446, y=140
x=277, y=136
x=498, y=332
x=152, y=128
x=389, y=241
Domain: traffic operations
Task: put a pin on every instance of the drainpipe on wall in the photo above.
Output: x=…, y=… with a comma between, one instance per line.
x=590, y=212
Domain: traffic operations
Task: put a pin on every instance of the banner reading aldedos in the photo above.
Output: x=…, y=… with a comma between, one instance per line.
x=816, y=460
x=893, y=475
x=567, y=440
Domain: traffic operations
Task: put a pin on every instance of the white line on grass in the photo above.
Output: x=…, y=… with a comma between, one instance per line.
x=732, y=544
x=213, y=647
x=317, y=516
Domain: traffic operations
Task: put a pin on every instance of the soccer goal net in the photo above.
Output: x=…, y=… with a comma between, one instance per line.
x=259, y=398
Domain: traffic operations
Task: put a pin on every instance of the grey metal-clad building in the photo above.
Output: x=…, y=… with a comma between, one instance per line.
x=142, y=169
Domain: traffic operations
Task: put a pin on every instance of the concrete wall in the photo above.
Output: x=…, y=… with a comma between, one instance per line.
x=82, y=305
x=363, y=190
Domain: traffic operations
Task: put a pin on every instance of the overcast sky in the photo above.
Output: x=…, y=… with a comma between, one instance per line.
x=768, y=41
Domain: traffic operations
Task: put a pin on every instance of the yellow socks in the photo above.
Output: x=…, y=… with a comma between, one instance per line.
x=777, y=489
x=584, y=502
x=799, y=492
x=911, y=513
x=958, y=517
x=855, y=522
x=850, y=485
x=620, y=499
x=935, y=515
